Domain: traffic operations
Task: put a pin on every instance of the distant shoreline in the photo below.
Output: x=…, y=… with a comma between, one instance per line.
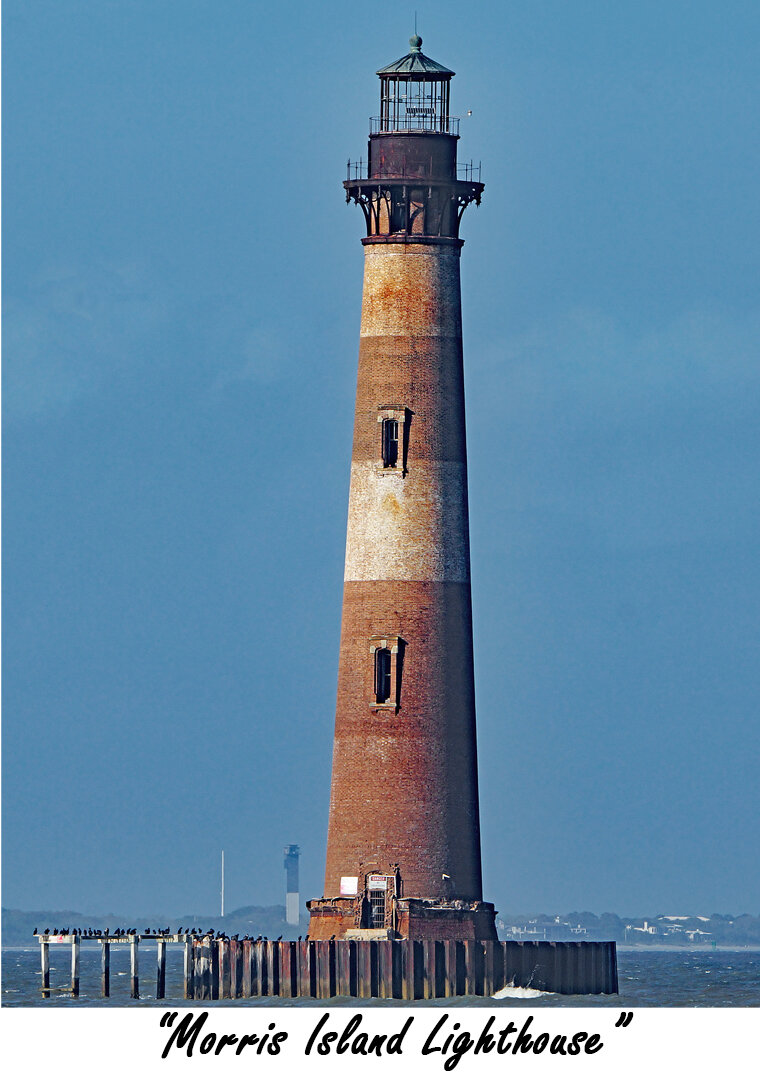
x=691, y=947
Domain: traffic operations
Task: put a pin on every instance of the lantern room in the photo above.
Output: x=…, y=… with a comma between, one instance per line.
x=414, y=95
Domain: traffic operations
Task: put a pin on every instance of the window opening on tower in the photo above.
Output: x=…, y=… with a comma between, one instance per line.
x=390, y=444
x=382, y=675
x=387, y=672
x=393, y=421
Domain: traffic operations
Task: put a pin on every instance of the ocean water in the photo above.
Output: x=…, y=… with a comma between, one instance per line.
x=647, y=977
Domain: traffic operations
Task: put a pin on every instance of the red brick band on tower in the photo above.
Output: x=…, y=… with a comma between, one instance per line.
x=403, y=850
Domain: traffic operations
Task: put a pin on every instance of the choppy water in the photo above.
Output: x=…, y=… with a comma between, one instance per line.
x=647, y=978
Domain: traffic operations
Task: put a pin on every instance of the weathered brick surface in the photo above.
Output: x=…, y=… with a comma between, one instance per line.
x=404, y=784
x=332, y=917
x=474, y=923
x=427, y=371
x=408, y=528
x=411, y=290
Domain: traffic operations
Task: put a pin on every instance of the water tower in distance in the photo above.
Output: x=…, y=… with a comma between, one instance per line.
x=292, y=851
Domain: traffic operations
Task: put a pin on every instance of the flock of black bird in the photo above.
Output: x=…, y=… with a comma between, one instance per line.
x=120, y=931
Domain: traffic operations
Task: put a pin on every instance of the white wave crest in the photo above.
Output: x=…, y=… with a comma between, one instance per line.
x=511, y=991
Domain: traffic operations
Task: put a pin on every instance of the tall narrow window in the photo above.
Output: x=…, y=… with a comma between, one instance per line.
x=382, y=675
x=394, y=421
x=386, y=674
x=390, y=444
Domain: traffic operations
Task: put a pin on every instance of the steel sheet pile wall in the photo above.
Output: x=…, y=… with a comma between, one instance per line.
x=406, y=970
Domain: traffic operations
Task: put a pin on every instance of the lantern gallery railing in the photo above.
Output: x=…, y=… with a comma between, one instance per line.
x=414, y=119
x=358, y=170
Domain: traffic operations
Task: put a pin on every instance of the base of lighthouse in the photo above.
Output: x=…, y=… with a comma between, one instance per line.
x=414, y=918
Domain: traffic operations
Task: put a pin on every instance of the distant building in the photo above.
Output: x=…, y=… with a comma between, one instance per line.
x=647, y=928
x=292, y=851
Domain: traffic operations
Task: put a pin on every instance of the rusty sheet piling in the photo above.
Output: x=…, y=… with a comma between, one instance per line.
x=400, y=969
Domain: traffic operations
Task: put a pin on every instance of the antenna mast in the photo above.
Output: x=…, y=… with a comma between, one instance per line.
x=222, y=882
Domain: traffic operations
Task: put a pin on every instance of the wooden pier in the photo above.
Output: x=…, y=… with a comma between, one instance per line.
x=105, y=942
x=219, y=968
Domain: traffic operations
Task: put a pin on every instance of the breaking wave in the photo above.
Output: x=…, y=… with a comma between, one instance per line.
x=511, y=991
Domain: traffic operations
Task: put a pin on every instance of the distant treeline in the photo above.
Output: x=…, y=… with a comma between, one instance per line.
x=634, y=929
x=18, y=926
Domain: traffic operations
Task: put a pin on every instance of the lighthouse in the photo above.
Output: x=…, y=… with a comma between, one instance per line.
x=403, y=848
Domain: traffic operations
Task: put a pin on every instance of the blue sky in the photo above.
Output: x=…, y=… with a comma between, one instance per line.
x=181, y=310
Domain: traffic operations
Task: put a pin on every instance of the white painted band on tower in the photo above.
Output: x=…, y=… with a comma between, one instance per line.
x=411, y=528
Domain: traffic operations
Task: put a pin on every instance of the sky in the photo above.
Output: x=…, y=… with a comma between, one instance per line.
x=182, y=290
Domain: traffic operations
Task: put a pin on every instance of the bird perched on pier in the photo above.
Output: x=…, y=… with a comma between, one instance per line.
x=47, y=930
x=299, y=937
x=280, y=938
x=35, y=932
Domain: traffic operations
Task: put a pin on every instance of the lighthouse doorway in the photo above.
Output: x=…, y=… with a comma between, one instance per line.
x=378, y=901
x=377, y=909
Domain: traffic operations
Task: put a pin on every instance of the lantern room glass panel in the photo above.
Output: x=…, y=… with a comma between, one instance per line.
x=414, y=104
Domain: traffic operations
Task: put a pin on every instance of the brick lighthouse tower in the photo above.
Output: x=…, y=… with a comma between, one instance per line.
x=403, y=849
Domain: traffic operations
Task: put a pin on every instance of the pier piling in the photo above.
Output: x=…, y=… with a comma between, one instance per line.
x=105, y=968
x=75, y=966
x=45, y=967
x=134, y=972
x=160, y=969
x=188, y=968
